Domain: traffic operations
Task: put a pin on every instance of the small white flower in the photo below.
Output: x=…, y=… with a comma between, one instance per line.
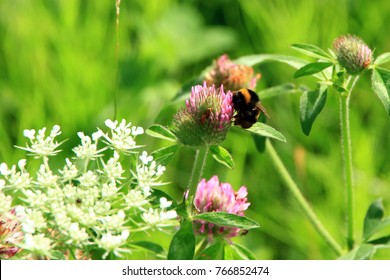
x=5, y=202
x=2, y=184
x=42, y=146
x=96, y=135
x=137, y=130
x=21, y=164
x=4, y=169
x=145, y=158
x=87, y=149
x=168, y=215
x=164, y=203
x=38, y=244
x=112, y=243
x=88, y=179
x=45, y=177
x=29, y=133
x=69, y=172
x=135, y=198
x=121, y=138
x=110, y=124
x=76, y=234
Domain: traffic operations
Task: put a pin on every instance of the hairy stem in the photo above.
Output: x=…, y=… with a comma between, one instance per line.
x=307, y=210
x=196, y=174
x=346, y=148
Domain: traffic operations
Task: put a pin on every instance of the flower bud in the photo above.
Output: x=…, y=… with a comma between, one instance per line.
x=232, y=76
x=206, y=118
x=352, y=53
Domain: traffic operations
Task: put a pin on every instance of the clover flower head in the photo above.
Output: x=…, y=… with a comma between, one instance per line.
x=206, y=118
x=213, y=196
x=352, y=53
x=40, y=144
x=231, y=75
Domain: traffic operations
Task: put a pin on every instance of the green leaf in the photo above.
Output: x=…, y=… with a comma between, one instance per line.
x=213, y=252
x=312, y=50
x=381, y=242
x=278, y=91
x=363, y=252
x=227, y=219
x=162, y=132
x=374, y=221
x=223, y=156
x=182, y=246
x=151, y=246
x=311, y=68
x=382, y=59
x=254, y=59
x=311, y=105
x=238, y=252
x=164, y=155
x=381, y=85
x=267, y=131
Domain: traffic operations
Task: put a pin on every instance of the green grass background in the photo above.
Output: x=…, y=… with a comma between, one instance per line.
x=58, y=65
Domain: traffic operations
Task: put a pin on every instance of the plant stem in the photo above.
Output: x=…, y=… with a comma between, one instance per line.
x=308, y=211
x=196, y=174
x=346, y=148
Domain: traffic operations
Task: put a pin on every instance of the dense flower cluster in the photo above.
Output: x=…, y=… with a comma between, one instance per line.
x=352, y=53
x=206, y=118
x=91, y=203
x=211, y=196
x=231, y=75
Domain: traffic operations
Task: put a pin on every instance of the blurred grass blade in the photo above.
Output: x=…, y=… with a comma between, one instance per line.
x=311, y=105
x=381, y=85
x=267, y=131
x=223, y=156
x=311, y=68
x=162, y=132
x=254, y=59
x=312, y=50
x=363, y=252
x=382, y=59
x=227, y=219
x=182, y=246
x=374, y=221
x=288, y=88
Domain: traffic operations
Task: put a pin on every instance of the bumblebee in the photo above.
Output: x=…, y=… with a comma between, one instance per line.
x=248, y=108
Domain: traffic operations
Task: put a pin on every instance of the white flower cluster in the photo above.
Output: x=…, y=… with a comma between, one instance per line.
x=92, y=202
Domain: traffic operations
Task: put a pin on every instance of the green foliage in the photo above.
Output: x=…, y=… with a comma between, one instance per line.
x=312, y=103
x=227, y=219
x=182, y=246
x=222, y=155
x=381, y=86
x=266, y=131
x=59, y=65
